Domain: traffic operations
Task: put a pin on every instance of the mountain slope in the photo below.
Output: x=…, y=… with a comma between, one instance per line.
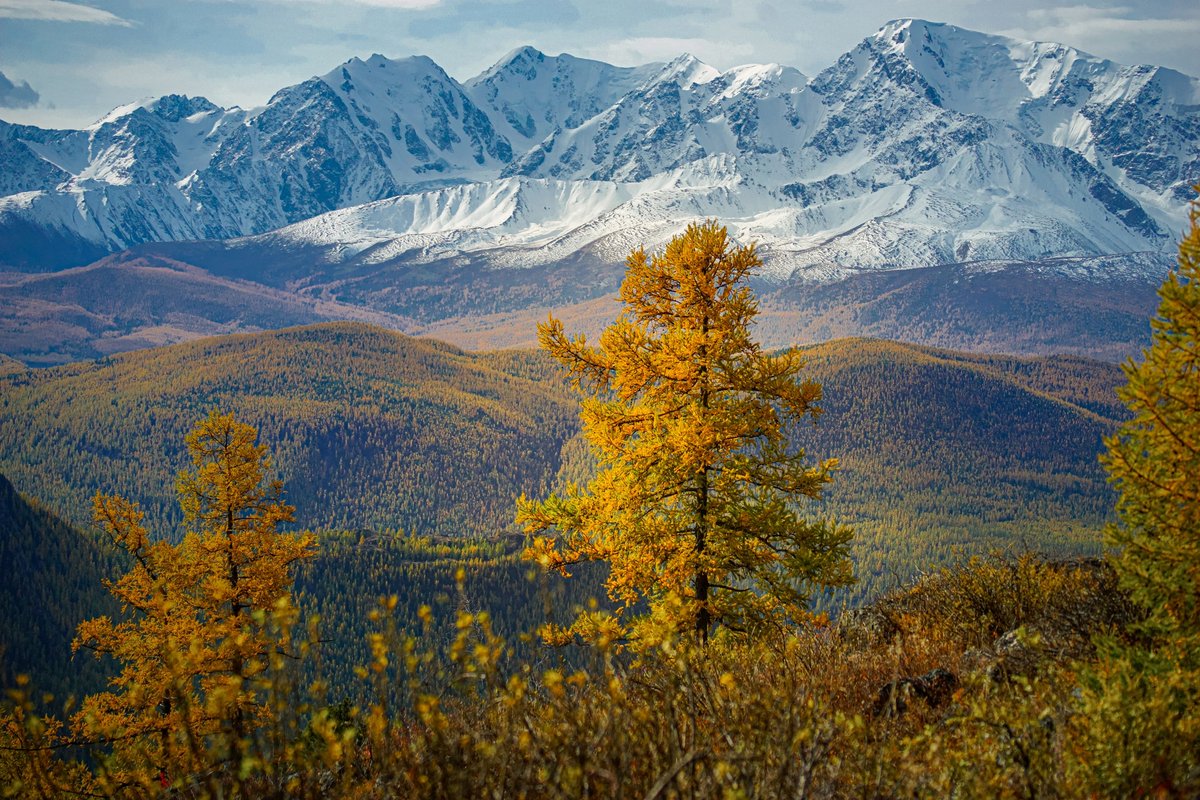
x=536, y=95
x=116, y=305
x=369, y=428
x=119, y=305
x=945, y=455
x=1022, y=308
x=1088, y=307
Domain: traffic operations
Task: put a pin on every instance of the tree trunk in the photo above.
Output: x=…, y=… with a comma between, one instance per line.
x=237, y=663
x=703, y=617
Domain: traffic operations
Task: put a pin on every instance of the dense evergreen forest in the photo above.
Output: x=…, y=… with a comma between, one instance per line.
x=53, y=578
x=61, y=571
x=940, y=451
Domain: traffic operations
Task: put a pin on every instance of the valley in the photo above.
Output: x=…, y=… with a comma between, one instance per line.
x=942, y=452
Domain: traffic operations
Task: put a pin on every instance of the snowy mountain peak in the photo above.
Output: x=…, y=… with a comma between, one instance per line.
x=120, y=112
x=897, y=32
x=532, y=95
x=1138, y=125
x=521, y=63
x=522, y=59
x=911, y=35
x=174, y=107
x=971, y=71
x=687, y=71
x=378, y=70
x=756, y=78
x=939, y=49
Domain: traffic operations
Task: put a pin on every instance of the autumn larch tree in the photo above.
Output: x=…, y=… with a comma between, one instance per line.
x=198, y=631
x=696, y=504
x=1154, y=460
x=1139, y=730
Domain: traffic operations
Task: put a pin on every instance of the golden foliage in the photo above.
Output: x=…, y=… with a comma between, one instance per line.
x=1154, y=460
x=695, y=504
x=196, y=631
x=1142, y=731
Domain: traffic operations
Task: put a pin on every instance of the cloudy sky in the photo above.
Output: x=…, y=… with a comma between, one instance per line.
x=65, y=63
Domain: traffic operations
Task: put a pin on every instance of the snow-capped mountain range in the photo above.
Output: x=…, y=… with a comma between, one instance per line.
x=925, y=144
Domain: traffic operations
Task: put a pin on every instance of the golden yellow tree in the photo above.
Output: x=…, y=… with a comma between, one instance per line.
x=1154, y=459
x=695, y=507
x=199, y=627
x=1141, y=732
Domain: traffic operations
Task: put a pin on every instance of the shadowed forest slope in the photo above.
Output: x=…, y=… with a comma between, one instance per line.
x=51, y=581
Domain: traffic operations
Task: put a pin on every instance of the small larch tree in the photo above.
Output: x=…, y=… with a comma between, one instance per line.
x=695, y=508
x=199, y=623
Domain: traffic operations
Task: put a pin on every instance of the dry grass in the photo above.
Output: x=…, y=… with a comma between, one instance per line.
x=860, y=709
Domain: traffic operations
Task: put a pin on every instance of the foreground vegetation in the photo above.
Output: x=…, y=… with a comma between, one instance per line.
x=980, y=681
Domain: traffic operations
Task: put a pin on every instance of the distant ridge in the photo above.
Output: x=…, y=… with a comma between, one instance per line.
x=1091, y=307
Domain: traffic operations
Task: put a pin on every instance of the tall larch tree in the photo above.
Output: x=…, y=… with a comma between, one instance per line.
x=199, y=628
x=1139, y=730
x=696, y=507
x=1154, y=459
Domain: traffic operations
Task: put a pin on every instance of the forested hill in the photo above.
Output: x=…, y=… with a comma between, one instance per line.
x=943, y=453
x=946, y=453
x=369, y=428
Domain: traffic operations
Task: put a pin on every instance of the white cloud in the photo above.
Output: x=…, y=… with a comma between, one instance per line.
x=412, y=5
x=1111, y=30
x=58, y=11
x=644, y=49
